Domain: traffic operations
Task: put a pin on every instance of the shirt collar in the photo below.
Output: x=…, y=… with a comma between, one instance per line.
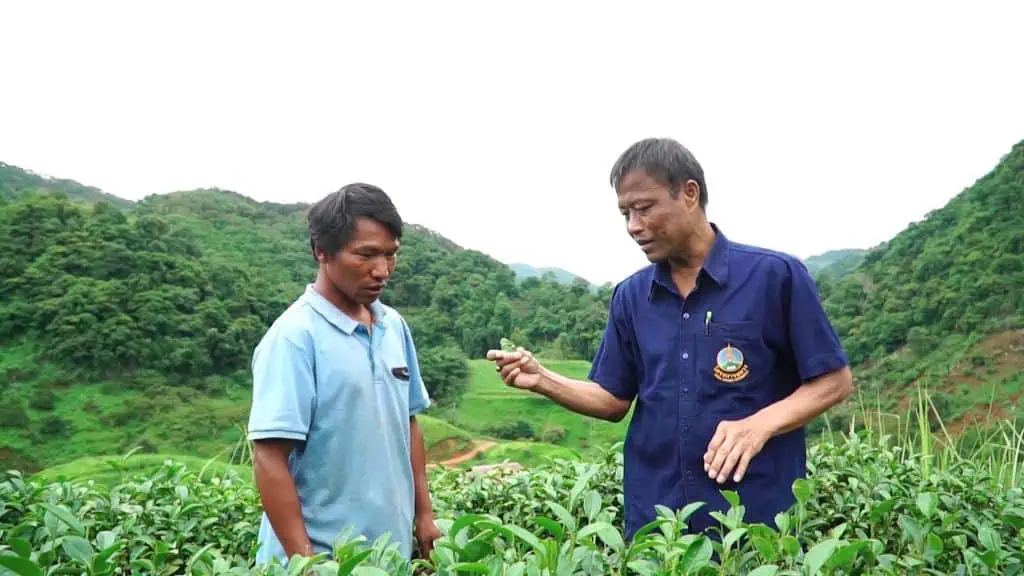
x=716, y=265
x=336, y=317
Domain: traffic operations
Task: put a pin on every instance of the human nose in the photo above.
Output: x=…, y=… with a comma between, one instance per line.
x=633, y=224
x=380, y=269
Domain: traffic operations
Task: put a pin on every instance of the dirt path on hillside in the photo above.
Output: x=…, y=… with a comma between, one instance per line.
x=478, y=448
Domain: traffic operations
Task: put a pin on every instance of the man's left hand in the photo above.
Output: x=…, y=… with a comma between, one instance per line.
x=734, y=444
x=426, y=531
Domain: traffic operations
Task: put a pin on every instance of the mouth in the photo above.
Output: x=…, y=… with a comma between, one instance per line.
x=376, y=289
x=646, y=245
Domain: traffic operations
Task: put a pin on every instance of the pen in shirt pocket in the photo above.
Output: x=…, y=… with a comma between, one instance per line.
x=707, y=323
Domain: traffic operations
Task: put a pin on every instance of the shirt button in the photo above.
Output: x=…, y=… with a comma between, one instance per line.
x=686, y=355
x=686, y=314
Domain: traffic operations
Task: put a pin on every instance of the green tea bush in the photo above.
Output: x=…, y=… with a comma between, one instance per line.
x=866, y=508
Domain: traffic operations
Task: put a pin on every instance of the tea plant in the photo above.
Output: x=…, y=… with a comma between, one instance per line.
x=866, y=508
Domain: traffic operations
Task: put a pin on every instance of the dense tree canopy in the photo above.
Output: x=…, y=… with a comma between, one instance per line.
x=184, y=284
x=960, y=270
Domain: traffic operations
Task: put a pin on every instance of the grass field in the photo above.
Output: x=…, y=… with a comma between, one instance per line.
x=443, y=441
x=48, y=420
x=492, y=409
x=109, y=471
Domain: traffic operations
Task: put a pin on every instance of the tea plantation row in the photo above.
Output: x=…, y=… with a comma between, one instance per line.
x=867, y=508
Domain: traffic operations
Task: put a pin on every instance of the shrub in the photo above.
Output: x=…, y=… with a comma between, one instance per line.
x=53, y=425
x=445, y=372
x=518, y=430
x=13, y=415
x=42, y=399
x=867, y=507
x=552, y=434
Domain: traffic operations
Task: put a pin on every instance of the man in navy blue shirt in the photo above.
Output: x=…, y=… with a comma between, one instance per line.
x=724, y=348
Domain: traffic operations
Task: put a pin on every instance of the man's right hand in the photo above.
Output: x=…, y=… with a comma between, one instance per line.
x=518, y=369
x=521, y=370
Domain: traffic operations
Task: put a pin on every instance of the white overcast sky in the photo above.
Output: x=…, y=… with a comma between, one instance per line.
x=819, y=126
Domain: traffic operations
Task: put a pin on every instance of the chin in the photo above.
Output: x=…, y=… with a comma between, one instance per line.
x=654, y=257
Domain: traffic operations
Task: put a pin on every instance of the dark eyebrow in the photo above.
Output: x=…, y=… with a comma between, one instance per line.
x=373, y=249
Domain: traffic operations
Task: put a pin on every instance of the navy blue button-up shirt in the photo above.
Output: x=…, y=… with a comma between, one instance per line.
x=750, y=333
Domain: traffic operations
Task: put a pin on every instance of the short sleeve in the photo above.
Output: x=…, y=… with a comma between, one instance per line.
x=284, y=389
x=419, y=399
x=614, y=365
x=813, y=341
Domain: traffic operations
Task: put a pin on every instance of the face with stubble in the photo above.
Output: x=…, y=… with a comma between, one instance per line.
x=359, y=271
x=662, y=224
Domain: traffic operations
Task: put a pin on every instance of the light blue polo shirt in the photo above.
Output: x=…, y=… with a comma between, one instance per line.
x=346, y=394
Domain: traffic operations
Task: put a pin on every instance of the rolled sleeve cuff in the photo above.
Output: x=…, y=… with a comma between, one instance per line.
x=823, y=364
x=414, y=410
x=274, y=434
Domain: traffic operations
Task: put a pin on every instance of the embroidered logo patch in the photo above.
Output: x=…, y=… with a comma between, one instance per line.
x=731, y=366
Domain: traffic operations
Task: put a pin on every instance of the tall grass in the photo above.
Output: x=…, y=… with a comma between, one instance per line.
x=995, y=446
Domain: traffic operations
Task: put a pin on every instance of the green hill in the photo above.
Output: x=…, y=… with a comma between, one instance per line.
x=130, y=325
x=16, y=182
x=941, y=305
x=563, y=276
x=836, y=263
x=489, y=408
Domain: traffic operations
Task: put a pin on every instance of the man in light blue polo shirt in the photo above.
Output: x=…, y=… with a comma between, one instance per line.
x=336, y=390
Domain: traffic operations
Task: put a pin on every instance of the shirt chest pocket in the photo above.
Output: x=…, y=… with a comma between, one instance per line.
x=734, y=367
x=392, y=366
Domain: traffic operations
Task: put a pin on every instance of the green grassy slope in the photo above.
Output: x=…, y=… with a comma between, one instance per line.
x=132, y=324
x=490, y=408
x=443, y=441
x=111, y=470
x=940, y=306
x=48, y=421
x=937, y=308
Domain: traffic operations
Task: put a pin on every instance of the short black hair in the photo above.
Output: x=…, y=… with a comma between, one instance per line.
x=332, y=219
x=664, y=160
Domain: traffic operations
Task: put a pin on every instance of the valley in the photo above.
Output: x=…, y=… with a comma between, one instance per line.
x=126, y=329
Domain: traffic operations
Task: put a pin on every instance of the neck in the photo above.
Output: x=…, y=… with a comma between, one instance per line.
x=691, y=257
x=342, y=302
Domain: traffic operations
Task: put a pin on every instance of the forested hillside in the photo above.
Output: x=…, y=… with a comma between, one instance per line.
x=184, y=282
x=959, y=271
x=15, y=182
x=172, y=293
x=837, y=263
x=524, y=271
x=131, y=324
x=942, y=303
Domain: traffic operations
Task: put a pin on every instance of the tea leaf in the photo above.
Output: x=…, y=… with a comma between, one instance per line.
x=78, y=549
x=819, y=554
x=927, y=503
x=21, y=566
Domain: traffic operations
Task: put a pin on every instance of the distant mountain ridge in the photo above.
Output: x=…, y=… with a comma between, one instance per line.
x=838, y=263
x=15, y=181
x=563, y=276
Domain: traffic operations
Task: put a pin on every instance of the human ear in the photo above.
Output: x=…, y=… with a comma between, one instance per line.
x=691, y=192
